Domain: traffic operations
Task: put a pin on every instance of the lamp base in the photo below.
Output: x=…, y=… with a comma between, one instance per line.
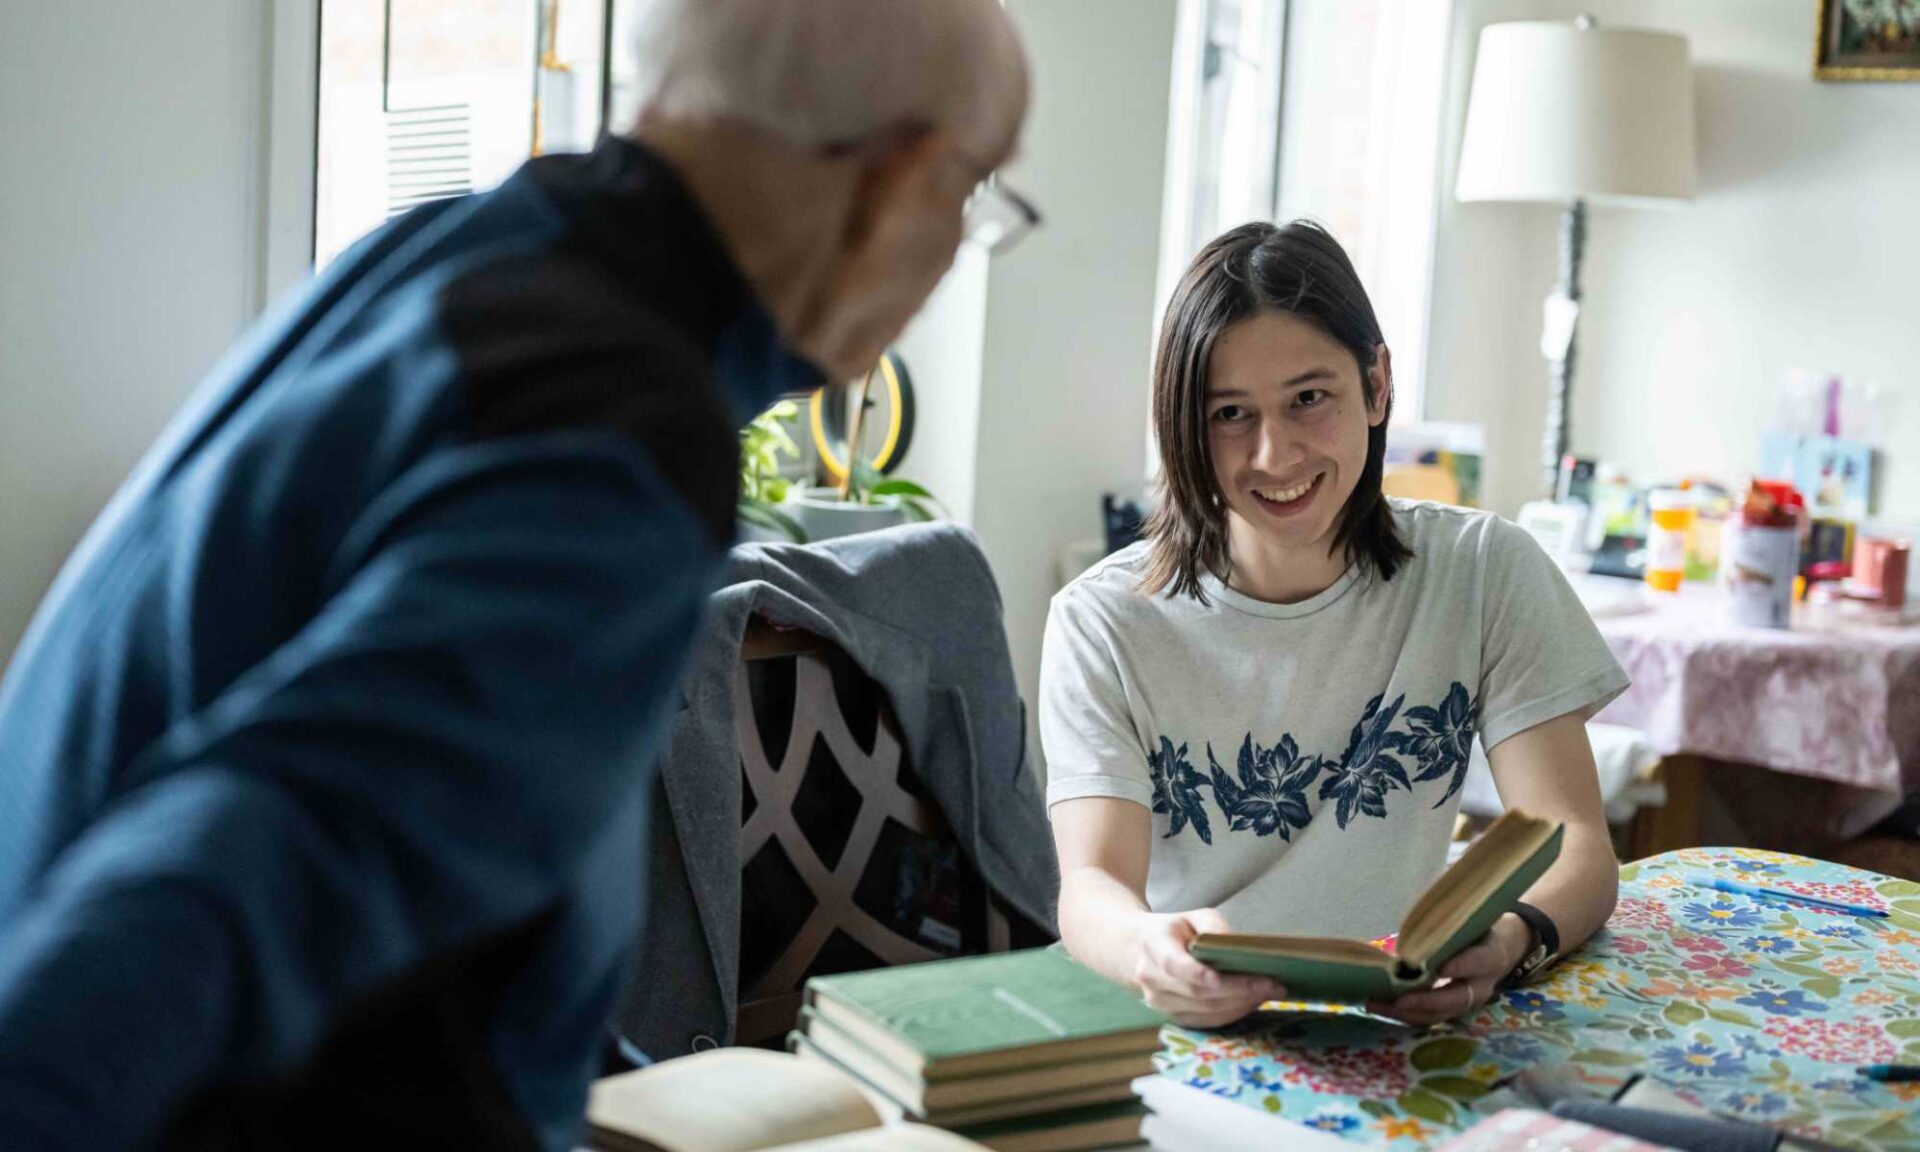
x=1554, y=439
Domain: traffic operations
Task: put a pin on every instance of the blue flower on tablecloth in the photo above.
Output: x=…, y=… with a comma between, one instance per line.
x=1749, y=866
x=1213, y=1086
x=1774, y=944
x=1781, y=1003
x=1176, y=791
x=1851, y=1085
x=1365, y=772
x=1722, y=914
x=1442, y=738
x=1534, y=1004
x=1699, y=1060
x=1755, y=1103
x=1514, y=1048
x=1255, y=1077
x=1745, y=1044
x=1837, y=931
x=1336, y=1120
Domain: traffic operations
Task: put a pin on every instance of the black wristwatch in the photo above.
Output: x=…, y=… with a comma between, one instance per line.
x=1544, y=950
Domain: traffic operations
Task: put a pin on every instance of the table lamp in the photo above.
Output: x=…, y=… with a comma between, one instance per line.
x=1574, y=113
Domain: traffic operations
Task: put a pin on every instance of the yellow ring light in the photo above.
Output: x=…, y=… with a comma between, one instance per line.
x=899, y=414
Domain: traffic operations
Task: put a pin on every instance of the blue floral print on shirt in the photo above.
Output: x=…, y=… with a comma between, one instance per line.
x=1269, y=791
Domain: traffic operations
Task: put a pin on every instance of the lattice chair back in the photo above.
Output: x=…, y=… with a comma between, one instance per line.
x=846, y=863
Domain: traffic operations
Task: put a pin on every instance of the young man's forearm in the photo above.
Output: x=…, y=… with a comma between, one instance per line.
x=1579, y=891
x=1100, y=922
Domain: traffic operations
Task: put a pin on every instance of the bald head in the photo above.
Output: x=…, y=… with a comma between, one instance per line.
x=818, y=72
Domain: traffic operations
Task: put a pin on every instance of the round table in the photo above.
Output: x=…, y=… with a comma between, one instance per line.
x=1754, y=1008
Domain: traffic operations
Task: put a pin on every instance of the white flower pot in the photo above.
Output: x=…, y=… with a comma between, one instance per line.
x=821, y=512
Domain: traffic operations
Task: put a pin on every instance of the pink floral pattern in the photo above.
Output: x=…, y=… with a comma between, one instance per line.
x=1753, y=1008
x=1816, y=701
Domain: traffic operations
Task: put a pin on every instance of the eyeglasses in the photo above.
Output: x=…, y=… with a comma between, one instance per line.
x=996, y=217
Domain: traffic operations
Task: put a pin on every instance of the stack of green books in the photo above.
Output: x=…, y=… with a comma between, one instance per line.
x=1019, y=1051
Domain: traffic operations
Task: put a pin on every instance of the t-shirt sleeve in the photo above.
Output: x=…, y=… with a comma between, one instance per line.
x=1542, y=657
x=1086, y=726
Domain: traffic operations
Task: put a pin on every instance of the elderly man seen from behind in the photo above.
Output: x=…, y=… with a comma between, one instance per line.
x=323, y=765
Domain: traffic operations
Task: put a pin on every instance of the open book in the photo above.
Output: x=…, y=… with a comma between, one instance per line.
x=748, y=1100
x=1452, y=914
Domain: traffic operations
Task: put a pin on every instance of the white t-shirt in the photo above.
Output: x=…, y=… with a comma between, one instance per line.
x=1303, y=762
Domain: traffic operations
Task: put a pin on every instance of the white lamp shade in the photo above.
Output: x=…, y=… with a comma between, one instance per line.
x=1560, y=112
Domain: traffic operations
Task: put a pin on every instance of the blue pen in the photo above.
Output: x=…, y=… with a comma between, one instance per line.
x=1721, y=884
x=1889, y=1072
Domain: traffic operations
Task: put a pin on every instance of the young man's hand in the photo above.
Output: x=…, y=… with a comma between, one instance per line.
x=1470, y=979
x=1193, y=994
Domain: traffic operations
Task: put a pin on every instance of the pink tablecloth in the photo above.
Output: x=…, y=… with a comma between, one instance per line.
x=1836, y=699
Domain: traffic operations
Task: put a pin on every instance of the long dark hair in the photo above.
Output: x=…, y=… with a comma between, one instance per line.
x=1295, y=268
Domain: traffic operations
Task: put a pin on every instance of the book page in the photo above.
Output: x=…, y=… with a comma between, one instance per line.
x=894, y=1138
x=730, y=1100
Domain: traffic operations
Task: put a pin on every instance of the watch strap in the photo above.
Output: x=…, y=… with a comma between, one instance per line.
x=1544, y=950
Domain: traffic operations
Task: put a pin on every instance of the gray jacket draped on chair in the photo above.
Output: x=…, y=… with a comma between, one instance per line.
x=917, y=609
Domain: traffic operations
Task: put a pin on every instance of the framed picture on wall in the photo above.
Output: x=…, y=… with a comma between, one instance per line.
x=1868, y=40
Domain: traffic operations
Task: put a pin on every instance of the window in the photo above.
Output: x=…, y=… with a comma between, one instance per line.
x=1327, y=109
x=1223, y=124
x=1359, y=152
x=424, y=99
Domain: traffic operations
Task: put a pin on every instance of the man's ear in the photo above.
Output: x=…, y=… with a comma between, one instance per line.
x=896, y=181
x=1379, y=385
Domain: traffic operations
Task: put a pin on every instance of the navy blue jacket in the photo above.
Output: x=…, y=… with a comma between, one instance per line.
x=324, y=765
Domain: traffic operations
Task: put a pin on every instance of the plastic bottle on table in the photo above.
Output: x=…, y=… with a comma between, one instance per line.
x=1672, y=513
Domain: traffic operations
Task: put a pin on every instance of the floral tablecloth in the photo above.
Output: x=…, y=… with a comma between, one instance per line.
x=1753, y=1008
x=1837, y=700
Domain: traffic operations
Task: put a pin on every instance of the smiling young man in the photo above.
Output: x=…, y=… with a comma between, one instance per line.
x=1259, y=718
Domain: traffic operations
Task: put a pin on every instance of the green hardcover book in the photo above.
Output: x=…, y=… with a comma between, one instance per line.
x=1100, y=1126
x=985, y=1014
x=938, y=1101
x=1456, y=911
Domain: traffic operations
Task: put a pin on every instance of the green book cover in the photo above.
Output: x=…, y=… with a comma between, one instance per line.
x=1096, y=1114
x=978, y=1006
x=1460, y=907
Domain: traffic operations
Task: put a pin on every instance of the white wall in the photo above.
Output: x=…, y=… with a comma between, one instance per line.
x=1799, y=252
x=130, y=188
x=943, y=348
x=1069, y=314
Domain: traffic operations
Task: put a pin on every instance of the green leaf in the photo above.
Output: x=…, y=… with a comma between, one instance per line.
x=1683, y=1014
x=1900, y=919
x=1910, y=907
x=762, y=516
x=1271, y=1104
x=1376, y=1109
x=1457, y=1087
x=901, y=488
x=1729, y=1016
x=916, y=511
x=1806, y=970
x=1446, y=1052
x=1825, y=987
x=1178, y=1045
x=1629, y=871
x=1910, y=1054
x=1607, y=1057
x=1426, y=1106
x=1897, y=888
x=1908, y=1029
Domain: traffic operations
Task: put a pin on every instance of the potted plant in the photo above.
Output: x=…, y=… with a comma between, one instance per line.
x=864, y=502
x=763, y=490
